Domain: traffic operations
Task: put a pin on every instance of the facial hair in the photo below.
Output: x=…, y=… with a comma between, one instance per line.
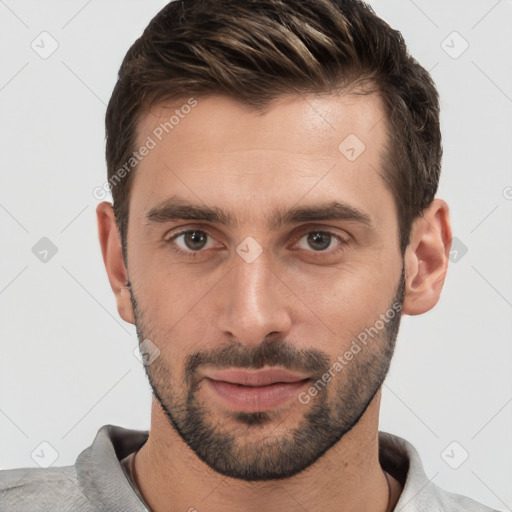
x=231, y=445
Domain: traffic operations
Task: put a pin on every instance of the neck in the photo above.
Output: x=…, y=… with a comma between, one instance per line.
x=347, y=478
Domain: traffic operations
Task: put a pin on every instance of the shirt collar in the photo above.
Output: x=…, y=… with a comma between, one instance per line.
x=102, y=479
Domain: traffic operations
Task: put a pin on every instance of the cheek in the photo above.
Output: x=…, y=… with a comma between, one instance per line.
x=175, y=319
x=352, y=299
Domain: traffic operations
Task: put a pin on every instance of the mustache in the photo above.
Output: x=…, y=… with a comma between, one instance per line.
x=267, y=353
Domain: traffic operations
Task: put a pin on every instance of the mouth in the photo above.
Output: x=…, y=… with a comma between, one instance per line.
x=254, y=391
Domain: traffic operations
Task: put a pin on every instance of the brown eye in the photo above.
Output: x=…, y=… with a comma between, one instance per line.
x=319, y=241
x=192, y=240
x=195, y=240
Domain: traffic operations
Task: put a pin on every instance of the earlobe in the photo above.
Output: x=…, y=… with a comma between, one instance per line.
x=426, y=258
x=111, y=250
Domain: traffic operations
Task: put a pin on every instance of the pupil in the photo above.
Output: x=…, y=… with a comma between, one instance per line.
x=193, y=238
x=323, y=239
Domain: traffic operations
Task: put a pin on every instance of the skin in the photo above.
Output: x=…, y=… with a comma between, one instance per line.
x=225, y=155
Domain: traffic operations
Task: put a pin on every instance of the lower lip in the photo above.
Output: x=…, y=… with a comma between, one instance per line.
x=258, y=398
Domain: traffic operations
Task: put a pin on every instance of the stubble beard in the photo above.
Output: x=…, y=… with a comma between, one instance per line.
x=247, y=445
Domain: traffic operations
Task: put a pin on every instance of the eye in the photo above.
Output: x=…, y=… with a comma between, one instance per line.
x=320, y=241
x=192, y=241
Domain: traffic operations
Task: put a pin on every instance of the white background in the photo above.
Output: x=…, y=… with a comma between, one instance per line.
x=67, y=365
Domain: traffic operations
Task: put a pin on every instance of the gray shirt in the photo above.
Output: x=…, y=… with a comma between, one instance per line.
x=98, y=482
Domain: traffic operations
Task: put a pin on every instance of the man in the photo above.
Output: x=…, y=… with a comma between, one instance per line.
x=273, y=167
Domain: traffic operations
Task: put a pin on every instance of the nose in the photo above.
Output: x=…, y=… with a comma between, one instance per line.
x=254, y=303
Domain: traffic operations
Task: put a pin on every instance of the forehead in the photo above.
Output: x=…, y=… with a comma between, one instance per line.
x=300, y=145
x=323, y=118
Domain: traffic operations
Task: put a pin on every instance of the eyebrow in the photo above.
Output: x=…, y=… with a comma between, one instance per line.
x=176, y=208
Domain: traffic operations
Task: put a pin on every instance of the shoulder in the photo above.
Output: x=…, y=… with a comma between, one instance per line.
x=458, y=503
x=399, y=458
x=96, y=482
x=42, y=490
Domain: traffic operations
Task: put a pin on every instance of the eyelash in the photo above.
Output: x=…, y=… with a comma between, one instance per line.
x=341, y=246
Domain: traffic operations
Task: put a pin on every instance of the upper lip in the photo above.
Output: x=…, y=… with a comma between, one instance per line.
x=262, y=377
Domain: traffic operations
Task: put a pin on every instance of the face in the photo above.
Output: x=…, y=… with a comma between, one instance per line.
x=264, y=262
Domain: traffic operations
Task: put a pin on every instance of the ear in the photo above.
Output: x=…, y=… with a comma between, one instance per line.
x=426, y=258
x=111, y=249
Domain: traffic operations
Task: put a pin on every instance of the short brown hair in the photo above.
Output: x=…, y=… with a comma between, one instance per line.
x=256, y=50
